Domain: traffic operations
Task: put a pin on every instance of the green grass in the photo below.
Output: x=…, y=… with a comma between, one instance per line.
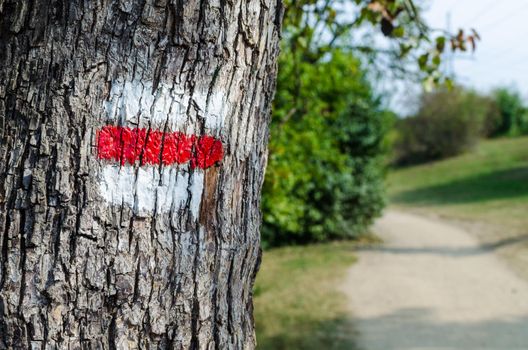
x=298, y=304
x=489, y=184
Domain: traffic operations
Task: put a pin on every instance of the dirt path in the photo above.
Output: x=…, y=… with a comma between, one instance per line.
x=432, y=286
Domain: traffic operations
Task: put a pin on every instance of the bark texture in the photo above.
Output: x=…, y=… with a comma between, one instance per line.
x=85, y=264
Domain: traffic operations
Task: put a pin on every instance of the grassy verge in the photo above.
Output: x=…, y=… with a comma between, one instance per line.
x=489, y=185
x=298, y=304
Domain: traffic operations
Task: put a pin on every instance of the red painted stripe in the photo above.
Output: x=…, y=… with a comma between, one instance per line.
x=138, y=145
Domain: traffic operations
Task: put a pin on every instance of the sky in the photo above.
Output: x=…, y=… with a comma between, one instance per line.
x=501, y=58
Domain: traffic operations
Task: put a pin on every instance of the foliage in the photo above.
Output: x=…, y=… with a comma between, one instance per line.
x=325, y=172
x=492, y=118
x=511, y=114
x=324, y=178
x=448, y=123
x=413, y=48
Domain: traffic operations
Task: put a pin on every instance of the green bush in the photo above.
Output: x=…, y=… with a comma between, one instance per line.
x=492, y=117
x=512, y=116
x=448, y=122
x=325, y=175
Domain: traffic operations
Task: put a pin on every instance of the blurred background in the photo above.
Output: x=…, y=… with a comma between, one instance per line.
x=414, y=106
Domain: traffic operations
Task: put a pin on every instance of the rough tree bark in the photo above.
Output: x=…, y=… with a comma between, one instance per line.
x=103, y=244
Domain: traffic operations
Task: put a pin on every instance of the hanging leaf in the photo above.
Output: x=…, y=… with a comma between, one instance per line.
x=386, y=27
x=398, y=32
x=440, y=43
x=422, y=61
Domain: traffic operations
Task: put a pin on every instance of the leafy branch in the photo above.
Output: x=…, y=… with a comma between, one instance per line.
x=314, y=28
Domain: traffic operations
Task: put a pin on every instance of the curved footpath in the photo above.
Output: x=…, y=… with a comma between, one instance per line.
x=432, y=286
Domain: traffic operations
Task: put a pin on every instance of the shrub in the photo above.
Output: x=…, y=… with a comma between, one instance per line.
x=325, y=176
x=512, y=116
x=492, y=118
x=448, y=122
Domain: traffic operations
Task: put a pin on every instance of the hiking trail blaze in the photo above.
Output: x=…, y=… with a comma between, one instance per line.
x=154, y=147
x=148, y=162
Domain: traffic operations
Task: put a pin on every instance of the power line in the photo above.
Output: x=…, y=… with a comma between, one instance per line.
x=502, y=58
x=498, y=68
x=504, y=64
x=486, y=9
x=503, y=52
x=515, y=12
x=518, y=62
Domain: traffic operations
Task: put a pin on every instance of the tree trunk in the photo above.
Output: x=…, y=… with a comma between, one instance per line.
x=133, y=148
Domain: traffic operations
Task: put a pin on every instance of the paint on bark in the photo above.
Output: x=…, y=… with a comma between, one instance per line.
x=148, y=147
x=85, y=266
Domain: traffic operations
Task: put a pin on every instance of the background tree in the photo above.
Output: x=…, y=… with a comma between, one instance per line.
x=448, y=122
x=412, y=49
x=325, y=173
x=511, y=113
x=328, y=132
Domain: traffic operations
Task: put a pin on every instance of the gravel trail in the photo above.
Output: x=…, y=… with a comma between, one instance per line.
x=431, y=285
